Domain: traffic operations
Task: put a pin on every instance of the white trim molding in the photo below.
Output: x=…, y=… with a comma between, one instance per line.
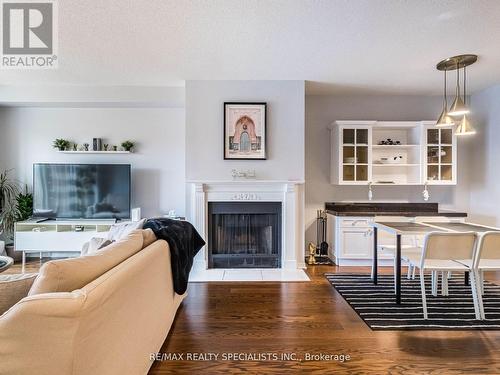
x=289, y=193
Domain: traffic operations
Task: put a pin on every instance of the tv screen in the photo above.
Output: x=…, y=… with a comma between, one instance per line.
x=81, y=191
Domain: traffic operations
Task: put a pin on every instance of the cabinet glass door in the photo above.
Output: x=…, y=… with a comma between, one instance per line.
x=355, y=155
x=440, y=159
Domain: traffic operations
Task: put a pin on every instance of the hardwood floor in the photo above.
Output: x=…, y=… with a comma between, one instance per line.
x=300, y=318
x=311, y=318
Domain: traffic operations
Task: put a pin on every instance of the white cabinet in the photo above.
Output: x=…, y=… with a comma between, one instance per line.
x=392, y=153
x=57, y=236
x=351, y=239
x=440, y=155
x=355, y=243
x=350, y=161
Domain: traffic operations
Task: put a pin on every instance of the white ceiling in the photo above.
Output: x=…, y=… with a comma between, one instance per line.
x=369, y=46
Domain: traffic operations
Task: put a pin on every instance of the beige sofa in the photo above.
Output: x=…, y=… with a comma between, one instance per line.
x=99, y=314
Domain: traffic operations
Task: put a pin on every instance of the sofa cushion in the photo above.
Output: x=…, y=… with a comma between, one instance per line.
x=148, y=237
x=94, y=244
x=66, y=275
x=120, y=230
x=13, y=288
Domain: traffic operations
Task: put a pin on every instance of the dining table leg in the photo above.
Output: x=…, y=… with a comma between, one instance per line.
x=398, y=269
x=375, y=256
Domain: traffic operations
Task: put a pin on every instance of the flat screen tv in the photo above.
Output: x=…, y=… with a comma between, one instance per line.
x=81, y=191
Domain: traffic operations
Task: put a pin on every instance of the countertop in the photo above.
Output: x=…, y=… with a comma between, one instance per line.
x=389, y=209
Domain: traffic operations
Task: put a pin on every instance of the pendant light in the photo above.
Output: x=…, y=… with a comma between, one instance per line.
x=465, y=127
x=444, y=119
x=458, y=107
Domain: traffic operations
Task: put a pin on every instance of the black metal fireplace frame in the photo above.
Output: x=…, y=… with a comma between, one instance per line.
x=215, y=208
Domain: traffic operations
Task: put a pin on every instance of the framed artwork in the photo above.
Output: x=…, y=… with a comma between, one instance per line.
x=244, y=131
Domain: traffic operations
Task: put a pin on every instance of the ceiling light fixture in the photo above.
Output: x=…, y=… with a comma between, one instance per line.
x=465, y=127
x=458, y=108
x=445, y=119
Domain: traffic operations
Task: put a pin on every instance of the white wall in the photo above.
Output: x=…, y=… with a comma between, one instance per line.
x=323, y=110
x=485, y=157
x=285, y=128
x=26, y=136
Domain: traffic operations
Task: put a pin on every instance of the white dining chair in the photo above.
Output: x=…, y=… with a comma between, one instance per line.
x=410, y=248
x=487, y=258
x=441, y=249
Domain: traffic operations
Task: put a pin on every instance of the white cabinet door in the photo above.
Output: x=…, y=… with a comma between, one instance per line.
x=440, y=155
x=356, y=243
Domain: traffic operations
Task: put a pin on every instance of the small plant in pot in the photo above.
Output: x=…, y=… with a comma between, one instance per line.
x=24, y=210
x=128, y=145
x=9, y=190
x=24, y=205
x=61, y=144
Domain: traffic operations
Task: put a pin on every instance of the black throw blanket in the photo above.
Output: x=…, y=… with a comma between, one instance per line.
x=184, y=242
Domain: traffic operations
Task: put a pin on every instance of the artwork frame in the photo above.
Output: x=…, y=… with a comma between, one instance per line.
x=246, y=122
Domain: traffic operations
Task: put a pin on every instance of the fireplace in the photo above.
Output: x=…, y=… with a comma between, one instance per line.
x=244, y=234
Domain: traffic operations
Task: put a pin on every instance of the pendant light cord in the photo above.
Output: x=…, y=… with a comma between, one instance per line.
x=464, y=84
x=445, y=100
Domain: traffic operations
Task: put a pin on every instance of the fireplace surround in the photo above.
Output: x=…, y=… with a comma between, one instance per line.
x=290, y=194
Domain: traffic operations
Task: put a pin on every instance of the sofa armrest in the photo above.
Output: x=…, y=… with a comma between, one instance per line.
x=37, y=334
x=14, y=288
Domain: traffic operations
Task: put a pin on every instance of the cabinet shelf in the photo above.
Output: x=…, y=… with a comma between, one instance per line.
x=394, y=146
x=94, y=152
x=395, y=165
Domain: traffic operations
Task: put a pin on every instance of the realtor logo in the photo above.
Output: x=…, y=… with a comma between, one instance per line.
x=29, y=35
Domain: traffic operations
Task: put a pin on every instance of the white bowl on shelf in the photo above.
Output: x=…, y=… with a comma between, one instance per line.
x=391, y=160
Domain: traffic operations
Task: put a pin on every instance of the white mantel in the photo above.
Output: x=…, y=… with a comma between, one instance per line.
x=289, y=193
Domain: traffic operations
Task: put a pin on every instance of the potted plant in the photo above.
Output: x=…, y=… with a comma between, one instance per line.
x=128, y=145
x=61, y=144
x=24, y=210
x=24, y=205
x=9, y=189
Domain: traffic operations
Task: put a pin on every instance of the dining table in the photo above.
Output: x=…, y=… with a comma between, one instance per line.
x=400, y=229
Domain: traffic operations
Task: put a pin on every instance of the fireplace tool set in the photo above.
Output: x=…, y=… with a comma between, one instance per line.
x=318, y=253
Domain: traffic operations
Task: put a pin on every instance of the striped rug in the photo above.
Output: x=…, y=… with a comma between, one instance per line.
x=376, y=306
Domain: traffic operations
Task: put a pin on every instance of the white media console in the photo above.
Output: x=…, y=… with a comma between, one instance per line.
x=57, y=235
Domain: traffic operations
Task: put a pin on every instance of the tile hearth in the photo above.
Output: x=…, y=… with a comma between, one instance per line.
x=212, y=275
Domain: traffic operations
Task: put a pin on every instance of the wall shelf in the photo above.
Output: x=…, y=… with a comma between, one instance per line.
x=94, y=152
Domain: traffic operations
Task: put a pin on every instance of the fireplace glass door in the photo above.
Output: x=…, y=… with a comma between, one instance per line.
x=244, y=235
